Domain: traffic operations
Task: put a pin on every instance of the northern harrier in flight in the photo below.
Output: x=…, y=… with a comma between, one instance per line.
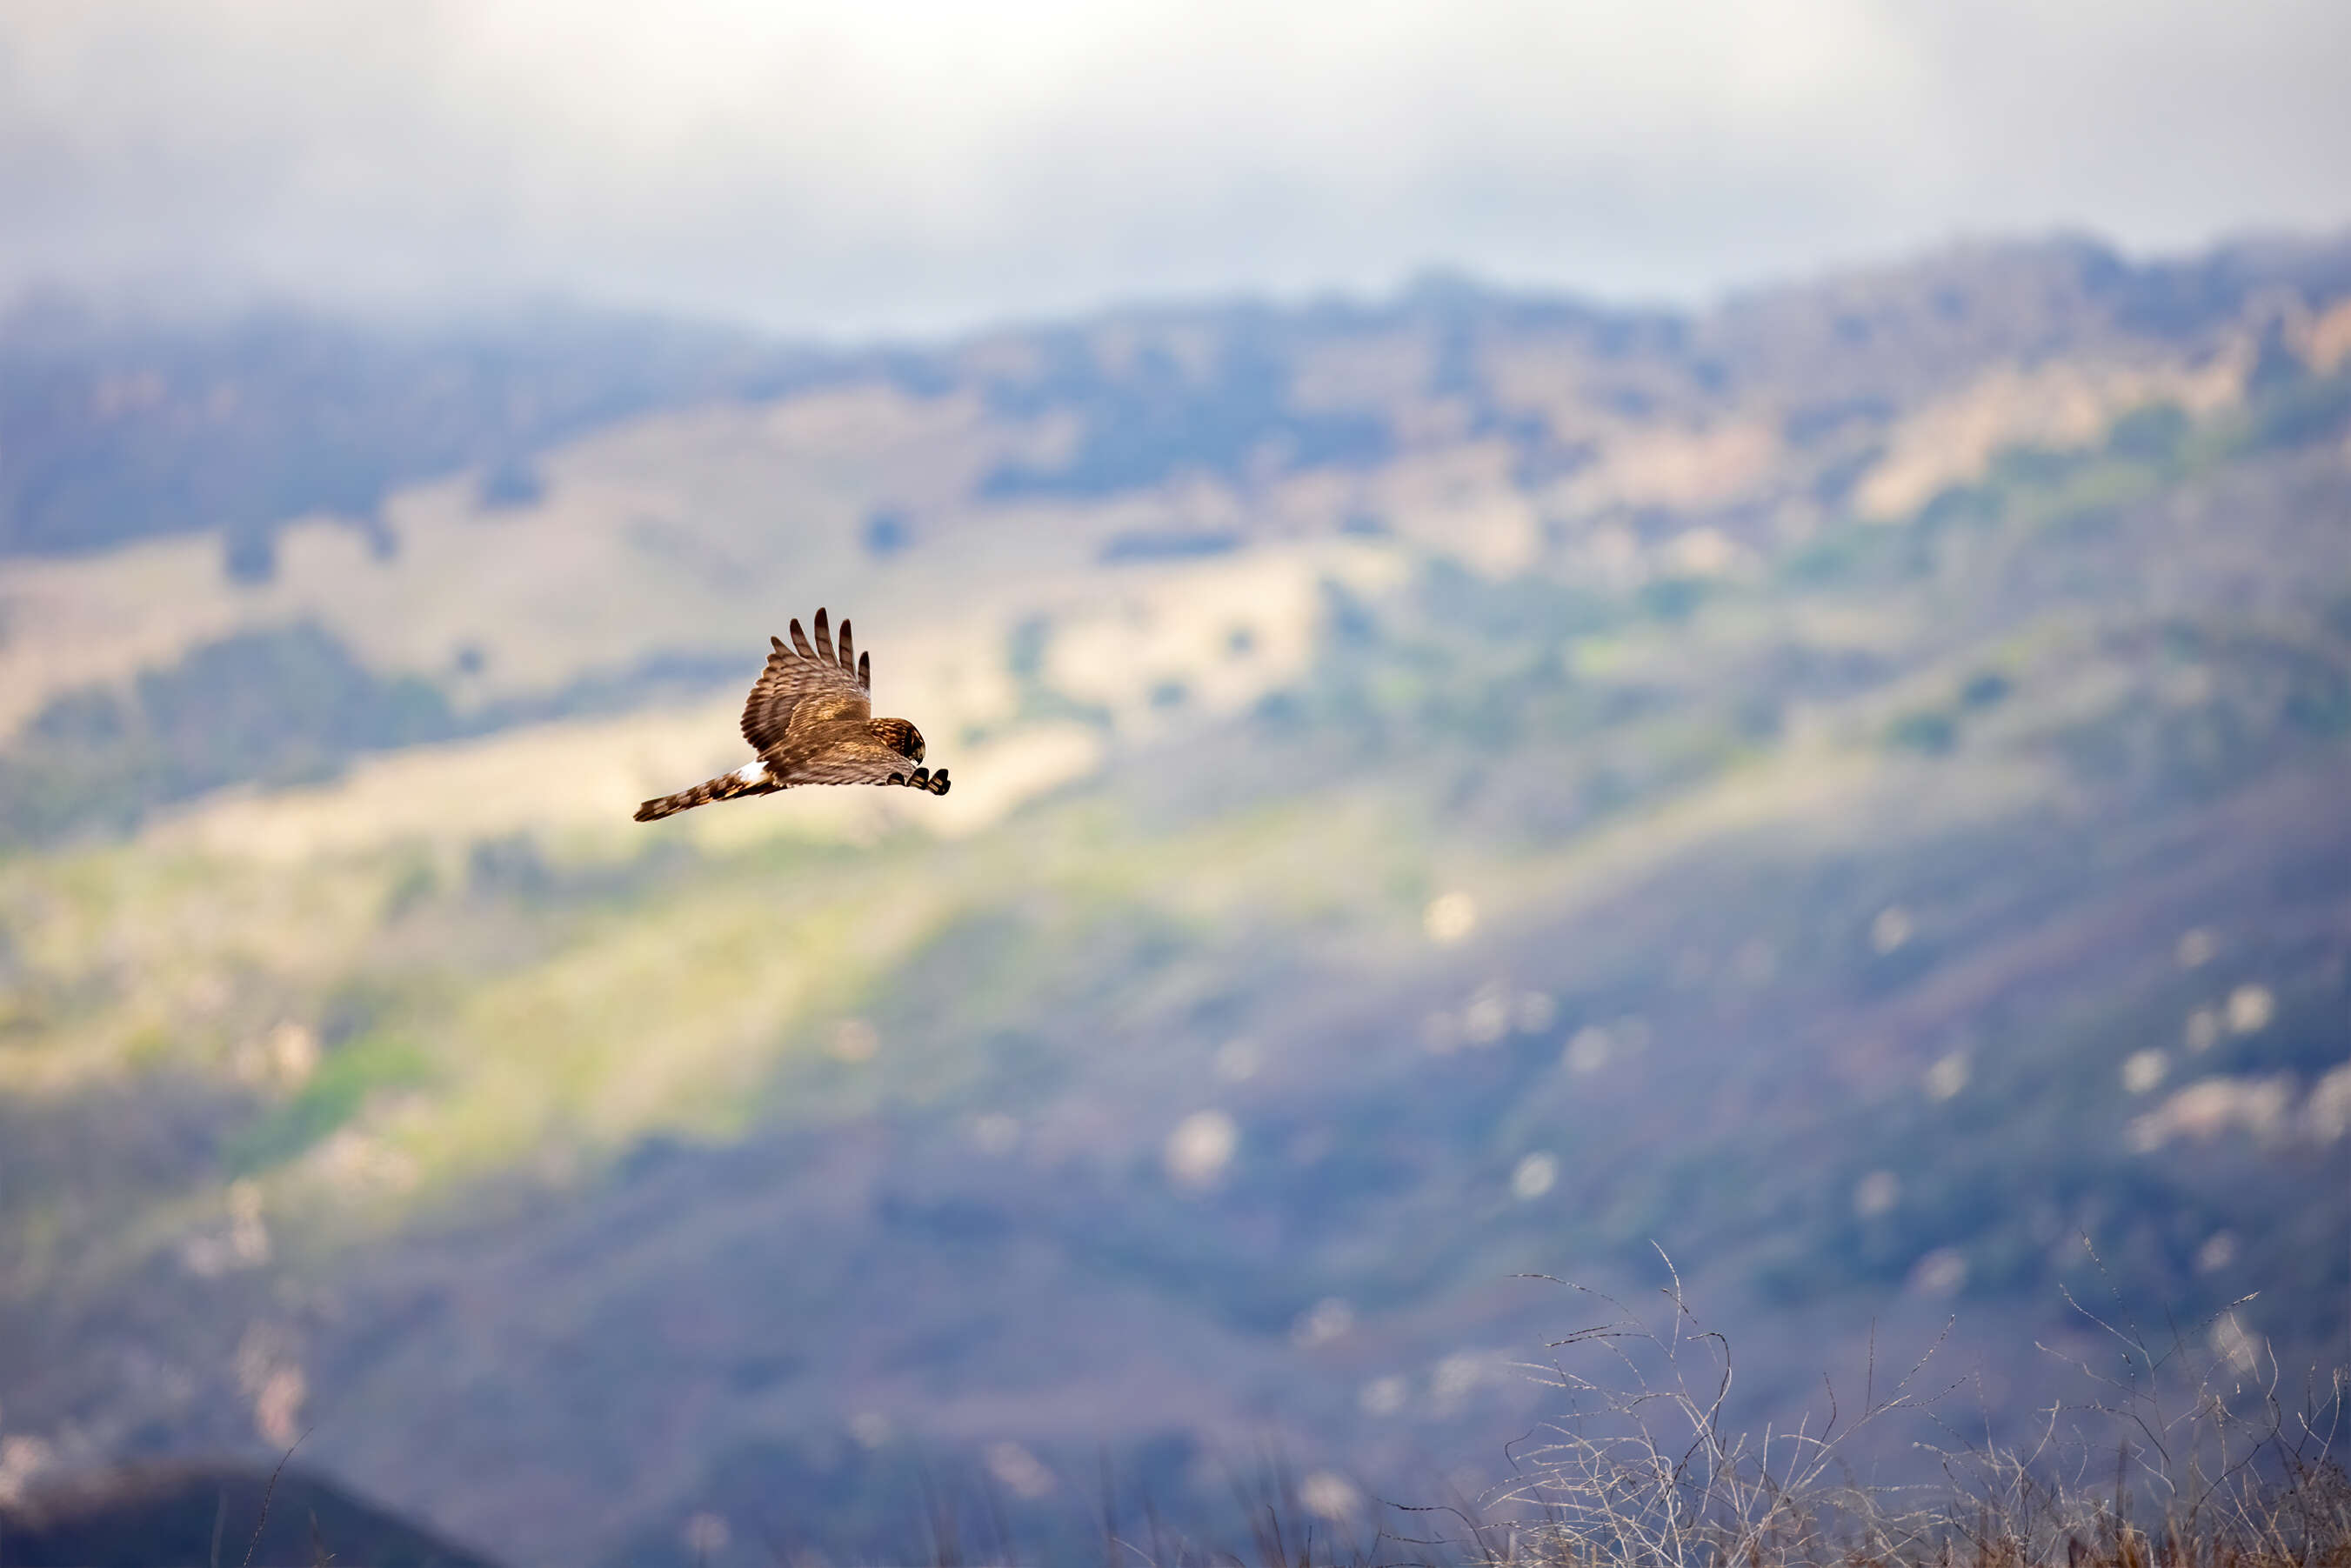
x=812, y=721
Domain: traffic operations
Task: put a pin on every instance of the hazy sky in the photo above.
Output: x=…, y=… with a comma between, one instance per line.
x=847, y=167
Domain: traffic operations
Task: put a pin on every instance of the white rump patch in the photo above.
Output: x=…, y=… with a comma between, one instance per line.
x=751, y=773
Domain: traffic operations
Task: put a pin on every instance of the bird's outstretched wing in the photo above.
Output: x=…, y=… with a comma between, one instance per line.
x=859, y=765
x=803, y=672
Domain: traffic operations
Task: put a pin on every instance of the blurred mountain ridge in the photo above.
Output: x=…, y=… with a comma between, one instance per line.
x=1846, y=787
x=127, y=423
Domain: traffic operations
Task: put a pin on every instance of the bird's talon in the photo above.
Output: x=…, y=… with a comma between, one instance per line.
x=939, y=782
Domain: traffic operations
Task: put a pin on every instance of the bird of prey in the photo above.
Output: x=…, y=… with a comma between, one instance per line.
x=812, y=721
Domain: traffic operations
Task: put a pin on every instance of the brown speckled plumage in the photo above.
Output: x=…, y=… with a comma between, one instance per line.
x=812, y=721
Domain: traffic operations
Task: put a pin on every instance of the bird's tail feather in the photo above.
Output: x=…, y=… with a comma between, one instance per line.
x=726, y=787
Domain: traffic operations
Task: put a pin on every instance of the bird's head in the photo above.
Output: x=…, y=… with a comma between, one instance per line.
x=900, y=737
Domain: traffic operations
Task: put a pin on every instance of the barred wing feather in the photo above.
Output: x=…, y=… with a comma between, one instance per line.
x=802, y=671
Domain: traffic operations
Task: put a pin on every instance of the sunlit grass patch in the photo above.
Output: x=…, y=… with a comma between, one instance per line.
x=337, y=1092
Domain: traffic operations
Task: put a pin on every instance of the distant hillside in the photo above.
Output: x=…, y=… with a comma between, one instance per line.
x=122, y=427
x=1536, y=419
x=1846, y=789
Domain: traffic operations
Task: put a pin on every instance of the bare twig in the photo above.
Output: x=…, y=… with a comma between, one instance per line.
x=266, y=1493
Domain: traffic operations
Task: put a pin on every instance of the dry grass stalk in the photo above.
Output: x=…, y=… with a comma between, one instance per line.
x=2176, y=1462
